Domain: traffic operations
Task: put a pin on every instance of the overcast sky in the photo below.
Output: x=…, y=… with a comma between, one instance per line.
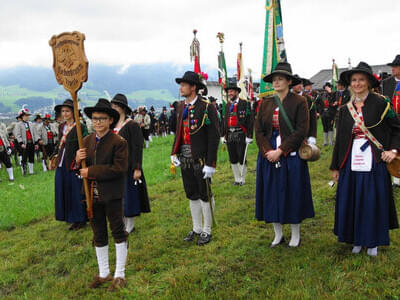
x=124, y=32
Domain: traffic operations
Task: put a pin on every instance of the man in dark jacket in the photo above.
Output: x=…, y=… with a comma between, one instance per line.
x=106, y=155
x=238, y=130
x=299, y=90
x=195, y=150
x=391, y=89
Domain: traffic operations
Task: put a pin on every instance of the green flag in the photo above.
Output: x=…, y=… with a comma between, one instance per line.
x=222, y=74
x=274, y=46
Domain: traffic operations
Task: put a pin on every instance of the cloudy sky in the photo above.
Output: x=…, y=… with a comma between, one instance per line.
x=124, y=32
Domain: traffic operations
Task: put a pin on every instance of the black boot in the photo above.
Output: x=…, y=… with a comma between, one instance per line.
x=204, y=238
x=191, y=235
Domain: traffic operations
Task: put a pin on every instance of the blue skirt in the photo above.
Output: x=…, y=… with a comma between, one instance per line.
x=69, y=205
x=364, y=209
x=283, y=195
x=136, y=200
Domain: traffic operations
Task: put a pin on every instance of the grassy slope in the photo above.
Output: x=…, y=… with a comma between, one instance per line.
x=44, y=260
x=10, y=94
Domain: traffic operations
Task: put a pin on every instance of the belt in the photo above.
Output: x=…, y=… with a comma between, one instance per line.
x=234, y=129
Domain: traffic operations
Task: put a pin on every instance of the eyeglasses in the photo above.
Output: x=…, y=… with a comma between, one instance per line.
x=99, y=120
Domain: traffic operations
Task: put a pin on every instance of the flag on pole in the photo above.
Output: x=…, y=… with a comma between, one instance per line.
x=335, y=75
x=274, y=46
x=250, y=86
x=195, y=53
x=240, y=74
x=222, y=74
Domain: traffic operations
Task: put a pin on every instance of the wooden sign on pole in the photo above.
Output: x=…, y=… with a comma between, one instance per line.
x=71, y=70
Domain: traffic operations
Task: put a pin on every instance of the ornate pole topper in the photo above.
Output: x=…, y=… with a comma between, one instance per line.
x=71, y=70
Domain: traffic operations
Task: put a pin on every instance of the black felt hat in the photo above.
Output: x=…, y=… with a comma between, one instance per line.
x=121, y=100
x=67, y=103
x=103, y=105
x=232, y=85
x=192, y=78
x=212, y=99
x=364, y=68
x=395, y=62
x=307, y=82
x=299, y=80
x=282, y=68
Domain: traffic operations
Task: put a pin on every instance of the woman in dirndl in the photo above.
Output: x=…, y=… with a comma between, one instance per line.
x=368, y=138
x=283, y=189
x=69, y=205
x=136, y=200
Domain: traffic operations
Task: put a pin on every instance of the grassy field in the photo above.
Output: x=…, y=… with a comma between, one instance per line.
x=41, y=259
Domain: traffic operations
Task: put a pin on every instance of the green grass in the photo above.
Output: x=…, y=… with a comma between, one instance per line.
x=41, y=259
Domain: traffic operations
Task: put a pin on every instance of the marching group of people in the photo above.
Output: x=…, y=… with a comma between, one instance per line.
x=367, y=139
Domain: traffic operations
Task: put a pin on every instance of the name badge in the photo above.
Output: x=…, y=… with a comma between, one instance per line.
x=361, y=156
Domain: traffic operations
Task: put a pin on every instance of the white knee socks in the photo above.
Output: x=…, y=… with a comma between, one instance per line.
x=295, y=238
x=205, y=206
x=243, y=177
x=372, y=251
x=10, y=173
x=102, y=260
x=30, y=165
x=121, y=251
x=129, y=224
x=44, y=165
x=236, y=172
x=196, y=209
x=278, y=233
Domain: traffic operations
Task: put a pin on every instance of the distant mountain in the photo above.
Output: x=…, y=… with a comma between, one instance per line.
x=149, y=84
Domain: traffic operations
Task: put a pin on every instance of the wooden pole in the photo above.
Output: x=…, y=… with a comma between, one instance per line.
x=89, y=204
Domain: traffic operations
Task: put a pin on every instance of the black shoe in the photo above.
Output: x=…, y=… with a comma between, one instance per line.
x=204, y=238
x=236, y=183
x=298, y=245
x=191, y=235
x=80, y=225
x=280, y=242
x=395, y=185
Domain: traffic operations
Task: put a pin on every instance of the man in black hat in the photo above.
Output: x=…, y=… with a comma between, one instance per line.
x=298, y=89
x=238, y=123
x=195, y=150
x=163, y=122
x=153, y=122
x=213, y=101
x=341, y=97
x=391, y=89
x=106, y=155
x=46, y=139
x=27, y=138
x=327, y=112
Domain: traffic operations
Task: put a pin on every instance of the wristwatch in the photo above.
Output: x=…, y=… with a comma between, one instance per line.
x=394, y=151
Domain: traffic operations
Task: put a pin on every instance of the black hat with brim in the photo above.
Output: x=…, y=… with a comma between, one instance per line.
x=282, y=68
x=363, y=68
x=212, y=99
x=38, y=117
x=298, y=79
x=395, y=62
x=307, y=82
x=67, y=103
x=121, y=100
x=191, y=78
x=104, y=106
x=232, y=85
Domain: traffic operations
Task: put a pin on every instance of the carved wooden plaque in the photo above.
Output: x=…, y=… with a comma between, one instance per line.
x=69, y=60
